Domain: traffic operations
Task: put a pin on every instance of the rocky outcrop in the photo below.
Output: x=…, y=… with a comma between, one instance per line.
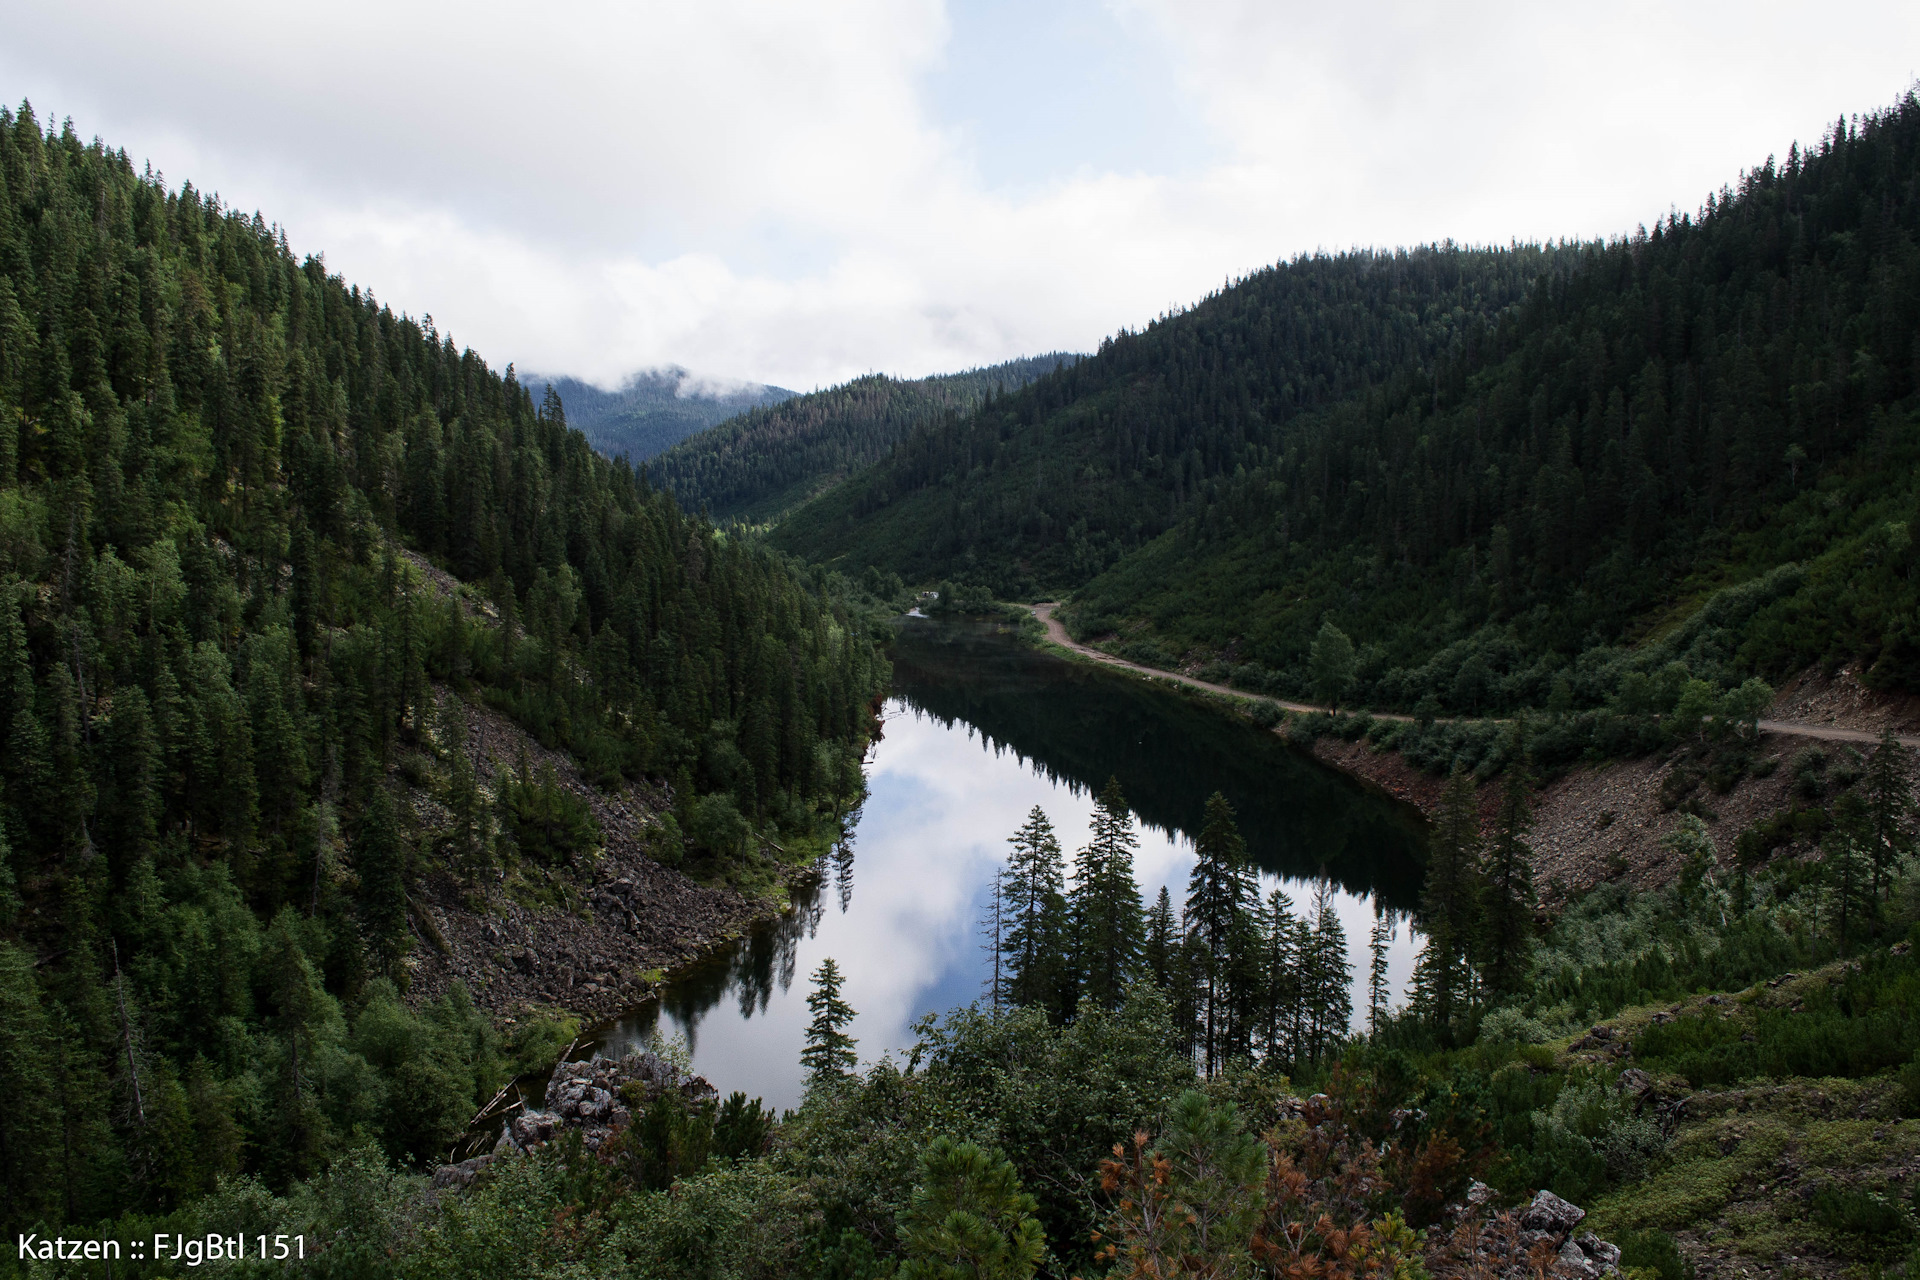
x=588, y=940
x=1541, y=1239
x=596, y=1097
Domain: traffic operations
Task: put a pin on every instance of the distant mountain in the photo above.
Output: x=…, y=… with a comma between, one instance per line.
x=653, y=410
x=770, y=460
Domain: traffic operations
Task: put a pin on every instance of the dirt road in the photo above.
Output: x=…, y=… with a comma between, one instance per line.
x=1057, y=632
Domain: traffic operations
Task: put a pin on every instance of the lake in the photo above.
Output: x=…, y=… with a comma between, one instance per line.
x=979, y=728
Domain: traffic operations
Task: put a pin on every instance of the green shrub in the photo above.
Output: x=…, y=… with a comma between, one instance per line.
x=1882, y=1223
x=1652, y=1251
x=549, y=824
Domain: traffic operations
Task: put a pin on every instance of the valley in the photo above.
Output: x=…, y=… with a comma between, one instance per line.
x=1402, y=767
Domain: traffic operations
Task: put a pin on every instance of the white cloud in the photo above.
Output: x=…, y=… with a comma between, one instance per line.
x=767, y=191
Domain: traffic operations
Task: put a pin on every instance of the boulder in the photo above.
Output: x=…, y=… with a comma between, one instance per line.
x=1604, y=1254
x=459, y=1175
x=1551, y=1214
x=1574, y=1262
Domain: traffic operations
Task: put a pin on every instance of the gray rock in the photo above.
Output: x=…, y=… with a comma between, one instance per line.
x=1603, y=1253
x=459, y=1175
x=528, y=1130
x=1574, y=1262
x=1551, y=1214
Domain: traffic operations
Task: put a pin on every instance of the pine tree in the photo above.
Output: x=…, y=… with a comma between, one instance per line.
x=1281, y=957
x=1449, y=905
x=379, y=859
x=469, y=835
x=1848, y=869
x=1506, y=885
x=993, y=927
x=1107, y=918
x=1157, y=953
x=1220, y=895
x=1888, y=791
x=829, y=1052
x=969, y=1218
x=1329, y=974
x=1034, y=968
x=1378, y=993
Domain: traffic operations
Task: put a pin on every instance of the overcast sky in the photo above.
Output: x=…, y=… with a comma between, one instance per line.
x=800, y=192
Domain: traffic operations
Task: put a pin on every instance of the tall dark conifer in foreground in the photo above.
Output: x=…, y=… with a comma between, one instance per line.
x=1506, y=892
x=1033, y=947
x=1220, y=902
x=1450, y=906
x=1162, y=941
x=829, y=1052
x=1378, y=992
x=1108, y=922
x=1888, y=792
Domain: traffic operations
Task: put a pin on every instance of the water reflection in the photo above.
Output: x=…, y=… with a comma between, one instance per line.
x=1082, y=724
x=980, y=730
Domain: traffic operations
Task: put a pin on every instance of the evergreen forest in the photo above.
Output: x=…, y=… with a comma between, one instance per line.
x=1505, y=475
x=755, y=468
x=258, y=534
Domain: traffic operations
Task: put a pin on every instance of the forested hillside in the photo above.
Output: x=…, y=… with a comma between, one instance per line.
x=1041, y=489
x=1701, y=443
x=223, y=690
x=1489, y=499
x=651, y=411
x=768, y=461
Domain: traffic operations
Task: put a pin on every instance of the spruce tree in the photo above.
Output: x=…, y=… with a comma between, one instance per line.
x=1449, y=903
x=1220, y=896
x=1157, y=953
x=1378, y=993
x=1281, y=966
x=1033, y=882
x=380, y=861
x=1888, y=792
x=1329, y=974
x=829, y=1052
x=1506, y=887
x=1108, y=921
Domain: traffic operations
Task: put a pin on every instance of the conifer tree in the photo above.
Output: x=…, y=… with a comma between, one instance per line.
x=1847, y=867
x=1036, y=938
x=1281, y=970
x=1506, y=888
x=1328, y=973
x=1220, y=896
x=1449, y=903
x=969, y=1218
x=1108, y=921
x=829, y=1052
x=1888, y=792
x=1157, y=952
x=993, y=927
x=1378, y=992
x=380, y=861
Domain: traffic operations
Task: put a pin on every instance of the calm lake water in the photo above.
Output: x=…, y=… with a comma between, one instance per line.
x=979, y=729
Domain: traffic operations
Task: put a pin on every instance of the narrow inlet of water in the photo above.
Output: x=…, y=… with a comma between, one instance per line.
x=979, y=730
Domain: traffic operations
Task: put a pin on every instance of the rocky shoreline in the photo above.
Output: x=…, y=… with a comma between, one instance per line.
x=613, y=928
